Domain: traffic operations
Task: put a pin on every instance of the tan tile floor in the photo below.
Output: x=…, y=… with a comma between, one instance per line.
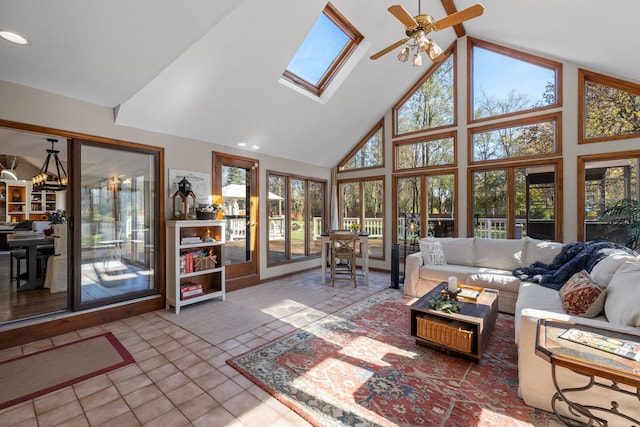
x=180, y=377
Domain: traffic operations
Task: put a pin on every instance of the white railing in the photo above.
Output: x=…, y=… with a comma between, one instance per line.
x=373, y=226
x=496, y=228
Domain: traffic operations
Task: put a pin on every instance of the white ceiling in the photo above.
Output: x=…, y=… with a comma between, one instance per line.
x=210, y=70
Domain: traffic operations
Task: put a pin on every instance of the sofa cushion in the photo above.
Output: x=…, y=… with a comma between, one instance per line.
x=539, y=250
x=504, y=254
x=502, y=280
x=432, y=252
x=582, y=296
x=604, y=270
x=457, y=250
x=442, y=272
x=623, y=293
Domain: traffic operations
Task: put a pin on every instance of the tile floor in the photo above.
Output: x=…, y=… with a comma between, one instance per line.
x=180, y=377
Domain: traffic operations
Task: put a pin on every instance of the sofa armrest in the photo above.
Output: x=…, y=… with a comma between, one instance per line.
x=412, y=266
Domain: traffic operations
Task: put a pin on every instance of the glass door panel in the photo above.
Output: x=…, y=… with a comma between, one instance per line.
x=117, y=214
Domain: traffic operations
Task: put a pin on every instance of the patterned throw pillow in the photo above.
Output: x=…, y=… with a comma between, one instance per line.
x=432, y=252
x=582, y=296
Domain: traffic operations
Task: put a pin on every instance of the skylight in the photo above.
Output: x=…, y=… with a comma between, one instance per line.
x=325, y=49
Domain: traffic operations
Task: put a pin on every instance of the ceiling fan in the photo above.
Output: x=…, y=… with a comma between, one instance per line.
x=417, y=28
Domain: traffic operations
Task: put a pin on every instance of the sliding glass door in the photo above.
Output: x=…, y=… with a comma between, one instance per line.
x=116, y=234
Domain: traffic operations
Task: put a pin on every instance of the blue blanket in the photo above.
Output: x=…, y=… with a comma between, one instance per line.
x=574, y=257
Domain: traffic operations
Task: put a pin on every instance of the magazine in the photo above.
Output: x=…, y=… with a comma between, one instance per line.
x=469, y=293
x=625, y=348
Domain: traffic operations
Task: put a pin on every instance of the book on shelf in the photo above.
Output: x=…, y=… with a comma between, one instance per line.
x=190, y=290
x=624, y=348
x=190, y=240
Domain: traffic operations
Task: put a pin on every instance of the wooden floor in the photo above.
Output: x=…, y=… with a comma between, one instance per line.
x=25, y=304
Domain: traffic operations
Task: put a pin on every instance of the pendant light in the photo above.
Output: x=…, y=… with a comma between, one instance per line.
x=48, y=181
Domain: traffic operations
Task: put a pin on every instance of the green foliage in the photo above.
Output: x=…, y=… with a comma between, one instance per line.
x=626, y=212
x=444, y=303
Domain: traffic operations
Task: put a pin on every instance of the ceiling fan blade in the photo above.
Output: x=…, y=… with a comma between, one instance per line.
x=389, y=48
x=459, y=17
x=403, y=16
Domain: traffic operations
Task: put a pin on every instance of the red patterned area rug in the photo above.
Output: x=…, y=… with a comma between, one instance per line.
x=33, y=375
x=360, y=367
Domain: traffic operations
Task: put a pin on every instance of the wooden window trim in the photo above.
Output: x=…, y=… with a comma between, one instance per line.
x=582, y=161
x=355, y=37
x=556, y=117
x=450, y=134
x=434, y=67
x=516, y=54
x=585, y=76
x=510, y=167
x=378, y=126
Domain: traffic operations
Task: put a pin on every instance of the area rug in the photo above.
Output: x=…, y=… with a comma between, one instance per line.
x=33, y=375
x=360, y=367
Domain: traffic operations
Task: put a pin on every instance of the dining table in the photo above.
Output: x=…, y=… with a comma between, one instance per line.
x=30, y=241
x=363, y=238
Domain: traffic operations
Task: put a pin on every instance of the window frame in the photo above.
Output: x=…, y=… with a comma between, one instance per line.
x=555, y=117
x=510, y=168
x=355, y=38
x=361, y=181
x=287, y=217
x=377, y=127
x=431, y=137
x=585, y=76
x=582, y=161
x=451, y=51
x=516, y=54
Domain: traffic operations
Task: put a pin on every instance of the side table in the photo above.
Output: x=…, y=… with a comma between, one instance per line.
x=594, y=364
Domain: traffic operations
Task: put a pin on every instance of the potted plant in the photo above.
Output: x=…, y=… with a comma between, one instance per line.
x=355, y=228
x=207, y=210
x=626, y=213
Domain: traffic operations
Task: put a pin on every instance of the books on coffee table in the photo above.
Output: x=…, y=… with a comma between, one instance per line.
x=469, y=293
x=624, y=348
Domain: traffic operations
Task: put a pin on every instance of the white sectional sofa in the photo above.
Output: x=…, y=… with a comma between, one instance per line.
x=490, y=263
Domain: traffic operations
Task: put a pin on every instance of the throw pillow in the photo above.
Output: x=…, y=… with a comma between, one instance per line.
x=432, y=252
x=581, y=296
x=623, y=294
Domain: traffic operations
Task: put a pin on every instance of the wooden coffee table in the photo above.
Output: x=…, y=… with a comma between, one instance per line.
x=466, y=333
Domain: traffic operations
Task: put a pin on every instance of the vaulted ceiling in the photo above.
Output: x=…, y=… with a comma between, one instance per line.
x=210, y=70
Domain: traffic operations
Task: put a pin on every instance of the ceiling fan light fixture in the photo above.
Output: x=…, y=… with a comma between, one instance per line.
x=434, y=52
x=417, y=60
x=403, y=56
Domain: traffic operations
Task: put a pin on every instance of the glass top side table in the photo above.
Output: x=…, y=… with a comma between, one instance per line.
x=591, y=362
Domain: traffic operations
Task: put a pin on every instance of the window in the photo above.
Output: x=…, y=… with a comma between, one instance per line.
x=431, y=103
x=369, y=153
x=504, y=82
x=296, y=217
x=323, y=52
x=437, y=150
x=605, y=180
x=517, y=138
x=425, y=199
x=516, y=201
x=362, y=202
x=609, y=108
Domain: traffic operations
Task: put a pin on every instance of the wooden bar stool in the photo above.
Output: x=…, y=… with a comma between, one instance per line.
x=18, y=255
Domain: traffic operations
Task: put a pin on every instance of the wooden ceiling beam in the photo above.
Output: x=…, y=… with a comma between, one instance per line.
x=450, y=8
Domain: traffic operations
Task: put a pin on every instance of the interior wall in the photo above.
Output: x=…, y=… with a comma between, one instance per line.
x=31, y=106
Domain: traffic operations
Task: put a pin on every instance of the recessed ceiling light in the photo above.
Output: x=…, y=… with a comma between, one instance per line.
x=255, y=147
x=13, y=37
x=241, y=144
